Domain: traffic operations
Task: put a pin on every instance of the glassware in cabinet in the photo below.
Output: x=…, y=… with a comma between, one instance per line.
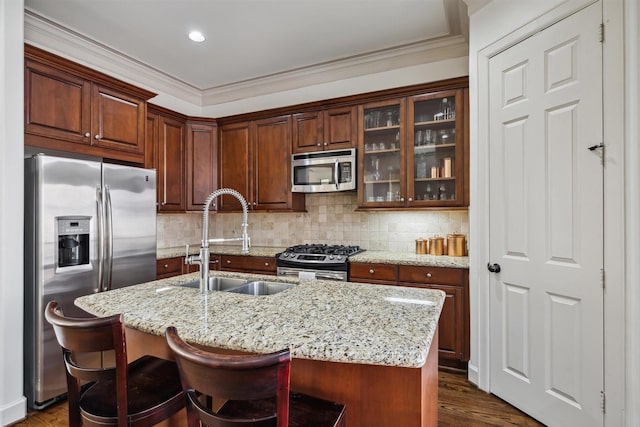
x=382, y=136
x=435, y=149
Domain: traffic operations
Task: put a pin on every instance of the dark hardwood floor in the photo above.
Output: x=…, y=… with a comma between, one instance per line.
x=461, y=404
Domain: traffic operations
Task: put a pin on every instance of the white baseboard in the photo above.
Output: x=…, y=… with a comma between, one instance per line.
x=13, y=411
x=472, y=373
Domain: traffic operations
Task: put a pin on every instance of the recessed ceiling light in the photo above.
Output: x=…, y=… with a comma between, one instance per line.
x=196, y=36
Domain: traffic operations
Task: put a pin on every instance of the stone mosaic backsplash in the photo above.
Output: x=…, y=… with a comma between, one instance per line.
x=330, y=218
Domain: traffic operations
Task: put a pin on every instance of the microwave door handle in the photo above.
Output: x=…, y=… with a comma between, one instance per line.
x=335, y=174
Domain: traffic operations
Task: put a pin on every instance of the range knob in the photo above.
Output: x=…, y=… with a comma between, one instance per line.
x=330, y=256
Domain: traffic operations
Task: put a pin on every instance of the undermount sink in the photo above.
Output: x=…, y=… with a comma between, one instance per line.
x=240, y=286
x=261, y=288
x=217, y=283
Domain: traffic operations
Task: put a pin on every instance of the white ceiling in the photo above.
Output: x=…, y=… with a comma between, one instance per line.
x=249, y=40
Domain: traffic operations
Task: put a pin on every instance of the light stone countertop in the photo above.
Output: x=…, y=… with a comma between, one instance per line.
x=382, y=257
x=321, y=320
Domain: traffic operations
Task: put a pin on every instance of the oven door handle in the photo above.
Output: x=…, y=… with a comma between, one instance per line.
x=329, y=275
x=320, y=274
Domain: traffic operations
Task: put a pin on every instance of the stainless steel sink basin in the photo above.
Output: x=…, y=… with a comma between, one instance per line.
x=261, y=288
x=217, y=283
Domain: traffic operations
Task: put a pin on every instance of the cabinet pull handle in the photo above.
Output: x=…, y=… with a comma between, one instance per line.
x=428, y=275
x=371, y=271
x=88, y=134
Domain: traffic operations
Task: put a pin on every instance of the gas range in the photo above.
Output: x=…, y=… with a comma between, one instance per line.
x=316, y=261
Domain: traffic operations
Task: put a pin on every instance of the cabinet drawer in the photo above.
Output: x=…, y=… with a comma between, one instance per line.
x=431, y=275
x=248, y=263
x=369, y=271
x=169, y=267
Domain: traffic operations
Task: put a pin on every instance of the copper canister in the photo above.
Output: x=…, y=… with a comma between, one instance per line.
x=436, y=246
x=421, y=246
x=456, y=245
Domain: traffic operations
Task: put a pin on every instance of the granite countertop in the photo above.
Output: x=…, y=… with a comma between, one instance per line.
x=381, y=257
x=316, y=319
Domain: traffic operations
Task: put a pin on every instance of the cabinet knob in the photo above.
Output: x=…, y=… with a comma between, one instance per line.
x=371, y=271
x=88, y=134
x=166, y=266
x=98, y=136
x=266, y=264
x=402, y=199
x=319, y=144
x=228, y=261
x=215, y=261
x=163, y=203
x=326, y=143
x=428, y=275
x=410, y=199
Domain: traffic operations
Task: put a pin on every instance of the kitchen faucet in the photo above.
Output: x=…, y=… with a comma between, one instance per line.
x=203, y=258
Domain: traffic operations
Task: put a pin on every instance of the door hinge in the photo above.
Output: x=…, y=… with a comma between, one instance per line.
x=602, y=401
x=602, y=277
x=600, y=148
x=602, y=32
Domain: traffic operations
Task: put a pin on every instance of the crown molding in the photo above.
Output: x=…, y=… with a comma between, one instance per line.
x=375, y=62
x=51, y=36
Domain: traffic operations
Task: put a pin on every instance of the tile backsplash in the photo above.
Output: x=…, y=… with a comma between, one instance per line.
x=330, y=218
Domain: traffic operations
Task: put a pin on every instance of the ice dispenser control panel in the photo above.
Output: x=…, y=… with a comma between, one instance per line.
x=73, y=241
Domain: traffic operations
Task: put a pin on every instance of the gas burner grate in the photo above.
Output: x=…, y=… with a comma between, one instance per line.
x=324, y=249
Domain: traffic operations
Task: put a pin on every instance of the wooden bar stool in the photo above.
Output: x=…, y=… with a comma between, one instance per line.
x=142, y=393
x=246, y=390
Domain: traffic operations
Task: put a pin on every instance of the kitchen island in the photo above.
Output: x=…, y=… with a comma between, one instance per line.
x=371, y=347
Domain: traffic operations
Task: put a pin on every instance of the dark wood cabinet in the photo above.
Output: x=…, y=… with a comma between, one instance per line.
x=453, y=338
x=413, y=151
x=168, y=144
x=330, y=129
x=384, y=274
x=72, y=108
x=254, y=159
x=169, y=267
x=234, y=164
x=248, y=264
x=202, y=163
x=453, y=326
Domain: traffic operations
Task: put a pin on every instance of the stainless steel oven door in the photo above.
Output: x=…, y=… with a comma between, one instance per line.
x=311, y=273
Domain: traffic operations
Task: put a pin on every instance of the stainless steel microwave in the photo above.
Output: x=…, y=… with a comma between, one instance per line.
x=323, y=171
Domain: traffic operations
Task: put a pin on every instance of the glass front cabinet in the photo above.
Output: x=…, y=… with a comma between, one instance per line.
x=411, y=152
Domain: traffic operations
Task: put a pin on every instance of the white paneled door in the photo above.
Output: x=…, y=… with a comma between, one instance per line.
x=546, y=223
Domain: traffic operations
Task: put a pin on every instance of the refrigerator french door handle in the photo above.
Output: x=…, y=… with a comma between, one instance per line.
x=109, y=239
x=100, y=227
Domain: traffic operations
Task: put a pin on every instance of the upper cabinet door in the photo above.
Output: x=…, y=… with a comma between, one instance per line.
x=331, y=129
x=202, y=164
x=307, y=132
x=171, y=164
x=46, y=90
x=382, y=165
x=340, y=128
x=118, y=120
x=271, y=163
x=435, y=147
x=233, y=161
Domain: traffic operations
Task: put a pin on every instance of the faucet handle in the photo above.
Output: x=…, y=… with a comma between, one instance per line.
x=186, y=253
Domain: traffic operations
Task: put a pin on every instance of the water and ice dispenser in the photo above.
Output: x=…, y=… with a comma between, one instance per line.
x=73, y=241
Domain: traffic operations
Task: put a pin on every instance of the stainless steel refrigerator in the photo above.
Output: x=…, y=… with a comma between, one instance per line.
x=89, y=227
